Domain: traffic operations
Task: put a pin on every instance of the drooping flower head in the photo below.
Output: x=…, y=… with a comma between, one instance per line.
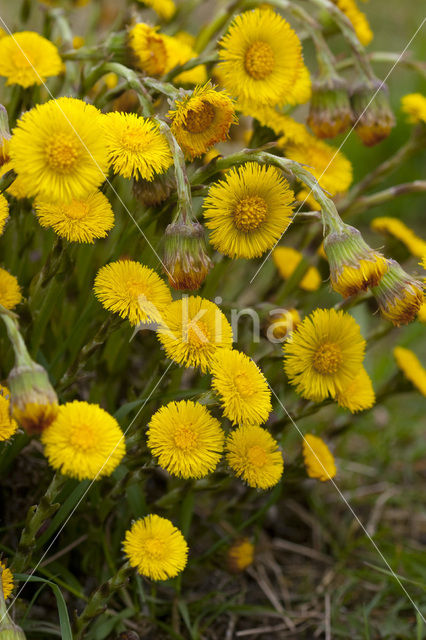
x=358, y=394
x=10, y=291
x=185, y=255
x=243, y=390
x=414, y=105
x=254, y=456
x=373, y=115
x=398, y=295
x=319, y=460
x=324, y=354
x=240, y=555
x=411, y=367
x=135, y=146
x=398, y=229
x=248, y=211
x=156, y=548
x=58, y=150
x=202, y=119
x=26, y=58
x=255, y=65
x=8, y=425
x=84, y=441
x=354, y=266
x=287, y=259
x=193, y=330
x=132, y=290
x=330, y=109
x=81, y=220
x=186, y=439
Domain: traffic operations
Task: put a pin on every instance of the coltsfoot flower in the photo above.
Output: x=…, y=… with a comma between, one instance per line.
x=330, y=109
x=8, y=426
x=398, y=229
x=358, y=394
x=319, y=461
x=185, y=255
x=398, y=295
x=26, y=58
x=287, y=259
x=165, y=9
x=411, y=367
x=254, y=456
x=10, y=291
x=4, y=212
x=6, y=578
x=240, y=555
x=358, y=19
x=373, y=115
x=414, y=106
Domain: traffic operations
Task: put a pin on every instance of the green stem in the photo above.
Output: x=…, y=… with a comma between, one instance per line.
x=365, y=203
x=386, y=56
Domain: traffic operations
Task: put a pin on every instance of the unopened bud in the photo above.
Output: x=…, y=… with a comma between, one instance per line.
x=373, y=115
x=185, y=255
x=330, y=112
x=154, y=192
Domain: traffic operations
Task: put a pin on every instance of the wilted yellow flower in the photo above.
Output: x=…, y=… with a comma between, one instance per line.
x=287, y=259
x=324, y=354
x=398, y=229
x=10, y=291
x=254, y=456
x=132, y=290
x=358, y=19
x=358, y=394
x=319, y=460
x=165, y=9
x=240, y=555
x=248, y=211
x=243, y=390
x=4, y=212
x=186, y=439
x=6, y=578
x=26, y=58
x=414, y=105
x=411, y=367
x=192, y=331
x=8, y=425
x=79, y=221
x=156, y=548
x=84, y=441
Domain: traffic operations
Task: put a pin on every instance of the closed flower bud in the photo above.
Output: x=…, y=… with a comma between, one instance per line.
x=354, y=266
x=185, y=255
x=153, y=193
x=4, y=136
x=372, y=112
x=330, y=112
x=398, y=295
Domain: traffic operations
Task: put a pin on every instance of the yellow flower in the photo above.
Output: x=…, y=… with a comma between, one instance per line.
x=319, y=460
x=186, y=439
x=287, y=259
x=358, y=394
x=6, y=581
x=305, y=196
x=289, y=130
x=4, y=212
x=8, y=425
x=326, y=163
x=84, y=441
x=324, y=354
x=202, y=119
x=414, y=105
x=80, y=220
x=254, y=456
x=248, y=211
x=301, y=91
x=156, y=548
x=411, y=367
x=77, y=42
x=421, y=314
x=255, y=65
x=399, y=230
x=165, y=9
x=283, y=323
x=194, y=329
x=398, y=295
x=27, y=59
x=149, y=49
x=132, y=290
x=58, y=150
x=240, y=555
x=358, y=19
x=10, y=292
x=136, y=148
x=243, y=390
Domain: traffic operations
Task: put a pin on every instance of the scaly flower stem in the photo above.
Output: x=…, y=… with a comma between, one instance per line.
x=367, y=202
x=19, y=347
x=36, y=516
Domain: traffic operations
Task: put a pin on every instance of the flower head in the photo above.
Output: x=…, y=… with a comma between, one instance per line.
x=26, y=58
x=84, y=441
x=156, y=548
x=397, y=228
x=411, y=367
x=135, y=146
x=358, y=19
x=240, y=555
x=319, y=460
x=132, y=290
x=193, y=330
x=414, y=106
x=10, y=291
x=4, y=136
x=81, y=220
x=330, y=109
x=153, y=192
x=255, y=65
x=58, y=150
x=324, y=354
x=243, y=390
x=398, y=295
x=149, y=49
x=287, y=259
x=185, y=255
x=248, y=211
x=6, y=579
x=8, y=425
x=165, y=9
x=301, y=91
x=354, y=266
x=282, y=323
x=358, y=394
x=372, y=113
x=4, y=212
x=253, y=455
x=186, y=439
x=289, y=130
x=202, y=119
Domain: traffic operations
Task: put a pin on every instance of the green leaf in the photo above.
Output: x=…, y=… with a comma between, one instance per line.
x=70, y=503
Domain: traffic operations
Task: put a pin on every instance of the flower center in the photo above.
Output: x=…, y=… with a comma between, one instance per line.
x=133, y=139
x=154, y=548
x=22, y=60
x=250, y=213
x=198, y=333
x=327, y=358
x=199, y=120
x=135, y=289
x=62, y=152
x=185, y=438
x=82, y=438
x=243, y=385
x=259, y=60
x=77, y=210
x=256, y=456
